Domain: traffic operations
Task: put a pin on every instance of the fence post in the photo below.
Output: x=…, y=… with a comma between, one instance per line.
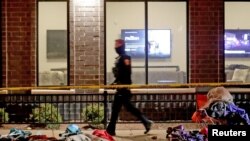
x=105, y=103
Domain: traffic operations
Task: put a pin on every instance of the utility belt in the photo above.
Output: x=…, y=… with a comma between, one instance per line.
x=123, y=91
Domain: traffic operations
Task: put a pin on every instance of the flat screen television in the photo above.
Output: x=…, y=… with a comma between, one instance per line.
x=237, y=42
x=159, y=42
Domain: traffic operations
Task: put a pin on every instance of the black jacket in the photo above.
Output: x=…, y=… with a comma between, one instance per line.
x=122, y=70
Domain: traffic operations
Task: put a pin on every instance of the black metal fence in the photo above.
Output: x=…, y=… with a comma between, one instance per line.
x=164, y=106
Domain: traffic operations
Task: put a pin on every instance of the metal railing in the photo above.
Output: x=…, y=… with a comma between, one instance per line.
x=159, y=105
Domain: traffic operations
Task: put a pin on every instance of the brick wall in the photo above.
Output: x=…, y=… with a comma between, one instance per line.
x=1, y=84
x=18, y=43
x=206, y=49
x=86, y=42
x=206, y=25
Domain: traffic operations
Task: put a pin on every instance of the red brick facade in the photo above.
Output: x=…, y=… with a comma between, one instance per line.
x=206, y=49
x=18, y=43
x=86, y=43
x=19, y=57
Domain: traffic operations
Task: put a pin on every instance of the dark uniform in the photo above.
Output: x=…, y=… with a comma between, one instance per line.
x=122, y=74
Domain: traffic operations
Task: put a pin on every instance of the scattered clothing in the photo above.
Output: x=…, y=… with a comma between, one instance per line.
x=103, y=134
x=228, y=111
x=78, y=137
x=41, y=138
x=178, y=133
x=16, y=135
x=220, y=109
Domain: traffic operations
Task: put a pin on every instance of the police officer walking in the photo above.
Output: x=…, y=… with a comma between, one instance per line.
x=122, y=74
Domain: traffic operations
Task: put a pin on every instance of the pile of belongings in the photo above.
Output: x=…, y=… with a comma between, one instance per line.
x=178, y=133
x=21, y=135
x=41, y=138
x=73, y=133
x=16, y=135
x=221, y=110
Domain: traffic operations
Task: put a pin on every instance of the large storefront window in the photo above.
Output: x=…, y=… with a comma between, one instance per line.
x=237, y=42
x=126, y=19
x=156, y=38
x=168, y=21
x=52, y=42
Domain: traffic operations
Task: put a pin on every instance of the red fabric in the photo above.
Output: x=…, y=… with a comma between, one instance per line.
x=41, y=138
x=36, y=137
x=103, y=134
x=197, y=116
x=204, y=131
x=201, y=100
x=200, y=116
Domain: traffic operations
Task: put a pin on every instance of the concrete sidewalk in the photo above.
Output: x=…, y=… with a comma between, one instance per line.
x=121, y=135
x=124, y=132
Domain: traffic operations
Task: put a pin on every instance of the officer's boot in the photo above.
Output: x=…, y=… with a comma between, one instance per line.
x=147, y=124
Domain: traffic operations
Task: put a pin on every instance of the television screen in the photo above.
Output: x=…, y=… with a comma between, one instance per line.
x=237, y=42
x=159, y=42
